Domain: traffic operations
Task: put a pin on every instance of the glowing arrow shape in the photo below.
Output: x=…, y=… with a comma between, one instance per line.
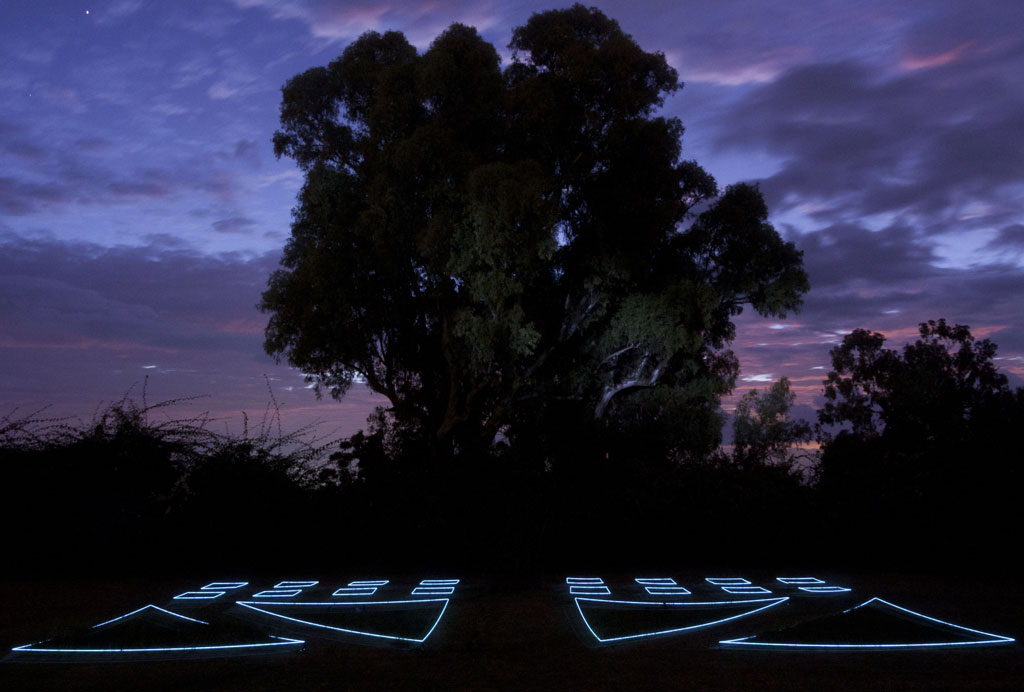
x=153, y=632
x=407, y=621
x=874, y=624
x=612, y=621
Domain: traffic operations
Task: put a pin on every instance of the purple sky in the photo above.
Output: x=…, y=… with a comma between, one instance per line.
x=141, y=207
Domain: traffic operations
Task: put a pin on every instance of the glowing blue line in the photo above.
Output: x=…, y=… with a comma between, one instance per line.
x=198, y=595
x=225, y=585
x=374, y=582
x=285, y=641
x=768, y=601
x=355, y=591
x=590, y=590
x=799, y=580
x=745, y=589
x=727, y=581
x=666, y=581
x=584, y=580
x=824, y=589
x=295, y=584
x=145, y=607
x=433, y=590
x=667, y=590
x=253, y=606
x=277, y=593
x=995, y=638
x=439, y=582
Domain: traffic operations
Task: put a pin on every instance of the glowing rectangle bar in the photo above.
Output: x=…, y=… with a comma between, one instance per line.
x=296, y=584
x=584, y=580
x=589, y=590
x=372, y=582
x=799, y=581
x=666, y=590
x=727, y=581
x=824, y=589
x=277, y=593
x=745, y=589
x=199, y=595
x=661, y=581
x=355, y=591
x=226, y=585
x=439, y=582
x=433, y=590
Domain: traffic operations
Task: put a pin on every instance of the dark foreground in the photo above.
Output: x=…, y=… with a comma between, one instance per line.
x=521, y=634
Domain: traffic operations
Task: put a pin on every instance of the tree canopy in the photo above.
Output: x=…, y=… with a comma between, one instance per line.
x=486, y=246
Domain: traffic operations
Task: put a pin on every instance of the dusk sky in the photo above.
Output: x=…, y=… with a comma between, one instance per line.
x=142, y=208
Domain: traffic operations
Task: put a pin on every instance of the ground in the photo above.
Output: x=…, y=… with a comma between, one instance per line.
x=504, y=633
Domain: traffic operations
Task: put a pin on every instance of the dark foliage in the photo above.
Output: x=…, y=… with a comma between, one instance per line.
x=926, y=465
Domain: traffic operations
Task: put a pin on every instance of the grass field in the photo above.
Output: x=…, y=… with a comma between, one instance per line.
x=523, y=634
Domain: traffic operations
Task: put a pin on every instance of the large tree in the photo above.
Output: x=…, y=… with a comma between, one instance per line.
x=475, y=243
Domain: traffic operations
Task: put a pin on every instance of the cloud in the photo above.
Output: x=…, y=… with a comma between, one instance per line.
x=235, y=224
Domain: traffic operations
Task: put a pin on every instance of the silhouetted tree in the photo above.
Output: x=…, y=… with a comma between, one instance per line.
x=494, y=249
x=926, y=450
x=763, y=432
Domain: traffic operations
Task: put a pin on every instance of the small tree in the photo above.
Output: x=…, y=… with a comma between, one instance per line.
x=763, y=433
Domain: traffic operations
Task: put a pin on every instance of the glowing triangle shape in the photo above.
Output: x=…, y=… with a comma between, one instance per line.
x=611, y=621
x=411, y=621
x=874, y=624
x=152, y=632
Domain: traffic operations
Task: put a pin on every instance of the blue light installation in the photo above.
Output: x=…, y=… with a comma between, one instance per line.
x=199, y=595
x=659, y=581
x=799, y=581
x=371, y=582
x=590, y=590
x=277, y=593
x=667, y=590
x=264, y=607
x=433, y=590
x=439, y=582
x=355, y=591
x=756, y=606
x=147, y=607
x=745, y=589
x=584, y=580
x=727, y=581
x=989, y=638
x=824, y=589
x=226, y=585
x=295, y=584
x=41, y=648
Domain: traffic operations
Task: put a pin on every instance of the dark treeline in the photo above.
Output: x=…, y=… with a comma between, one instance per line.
x=917, y=469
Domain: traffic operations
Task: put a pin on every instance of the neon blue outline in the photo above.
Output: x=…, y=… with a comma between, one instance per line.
x=372, y=582
x=285, y=641
x=433, y=590
x=355, y=591
x=228, y=585
x=277, y=593
x=745, y=589
x=295, y=584
x=584, y=580
x=824, y=589
x=146, y=607
x=996, y=638
x=32, y=648
x=335, y=604
x=198, y=595
x=799, y=581
x=440, y=582
x=659, y=581
x=590, y=590
x=690, y=604
x=667, y=590
x=727, y=581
